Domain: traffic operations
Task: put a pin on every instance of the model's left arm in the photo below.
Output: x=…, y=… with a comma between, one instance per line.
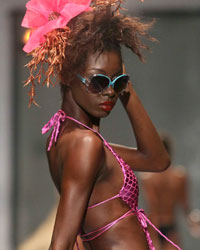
x=150, y=154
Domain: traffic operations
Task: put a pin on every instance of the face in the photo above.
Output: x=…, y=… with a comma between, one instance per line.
x=98, y=105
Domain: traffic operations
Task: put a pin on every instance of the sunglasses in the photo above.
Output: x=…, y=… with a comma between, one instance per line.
x=98, y=83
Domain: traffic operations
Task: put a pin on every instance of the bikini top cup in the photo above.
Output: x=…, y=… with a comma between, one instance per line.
x=128, y=193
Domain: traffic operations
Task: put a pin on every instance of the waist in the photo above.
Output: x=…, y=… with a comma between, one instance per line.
x=105, y=213
x=113, y=226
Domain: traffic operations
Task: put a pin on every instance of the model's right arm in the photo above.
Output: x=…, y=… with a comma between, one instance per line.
x=82, y=160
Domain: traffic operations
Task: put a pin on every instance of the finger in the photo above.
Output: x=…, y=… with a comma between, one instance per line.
x=123, y=68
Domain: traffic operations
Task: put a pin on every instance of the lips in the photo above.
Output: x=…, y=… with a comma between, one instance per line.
x=107, y=106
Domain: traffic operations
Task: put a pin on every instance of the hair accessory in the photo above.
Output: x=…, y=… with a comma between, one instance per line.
x=44, y=16
x=48, y=20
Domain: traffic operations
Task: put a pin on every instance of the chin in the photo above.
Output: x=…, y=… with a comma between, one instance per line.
x=98, y=113
x=105, y=114
x=102, y=114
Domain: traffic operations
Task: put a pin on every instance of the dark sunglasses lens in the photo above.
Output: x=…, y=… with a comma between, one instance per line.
x=98, y=84
x=121, y=83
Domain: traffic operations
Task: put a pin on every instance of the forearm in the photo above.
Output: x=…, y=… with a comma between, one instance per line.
x=62, y=240
x=147, y=138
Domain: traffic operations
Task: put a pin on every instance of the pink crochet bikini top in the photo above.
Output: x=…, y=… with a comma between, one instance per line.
x=128, y=193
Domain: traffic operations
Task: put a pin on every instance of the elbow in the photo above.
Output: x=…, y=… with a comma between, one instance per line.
x=163, y=162
x=160, y=163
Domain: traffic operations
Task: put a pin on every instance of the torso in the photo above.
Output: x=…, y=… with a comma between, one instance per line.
x=108, y=183
x=116, y=219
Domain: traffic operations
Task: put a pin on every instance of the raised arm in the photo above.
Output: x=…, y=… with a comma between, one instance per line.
x=82, y=159
x=150, y=154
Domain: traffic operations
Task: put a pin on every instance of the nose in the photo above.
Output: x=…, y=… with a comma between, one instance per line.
x=109, y=92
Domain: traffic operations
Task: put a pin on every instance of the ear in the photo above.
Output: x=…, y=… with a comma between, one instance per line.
x=63, y=81
x=63, y=87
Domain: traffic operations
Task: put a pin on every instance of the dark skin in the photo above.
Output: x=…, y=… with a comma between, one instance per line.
x=83, y=169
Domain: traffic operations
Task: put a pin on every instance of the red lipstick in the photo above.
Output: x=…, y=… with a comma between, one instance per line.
x=107, y=106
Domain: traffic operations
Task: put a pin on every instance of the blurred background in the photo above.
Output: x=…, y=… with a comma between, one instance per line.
x=168, y=84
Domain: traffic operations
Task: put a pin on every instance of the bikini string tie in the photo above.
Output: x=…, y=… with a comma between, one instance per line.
x=54, y=122
x=144, y=221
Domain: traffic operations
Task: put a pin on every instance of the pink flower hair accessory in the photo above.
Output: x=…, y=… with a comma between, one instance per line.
x=48, y=21
x=44, y=16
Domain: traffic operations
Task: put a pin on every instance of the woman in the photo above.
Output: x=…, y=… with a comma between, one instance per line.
x=98, y=190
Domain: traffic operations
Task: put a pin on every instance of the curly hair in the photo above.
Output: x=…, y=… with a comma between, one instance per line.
x=102, y=28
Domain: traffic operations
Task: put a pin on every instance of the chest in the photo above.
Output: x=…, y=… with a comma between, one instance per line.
x=110, y=178
x=116, y=177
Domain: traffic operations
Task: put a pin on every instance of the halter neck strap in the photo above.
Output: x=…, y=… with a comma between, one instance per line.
x=55, y=122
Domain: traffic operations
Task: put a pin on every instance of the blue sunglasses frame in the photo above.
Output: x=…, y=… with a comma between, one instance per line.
x=111, y=83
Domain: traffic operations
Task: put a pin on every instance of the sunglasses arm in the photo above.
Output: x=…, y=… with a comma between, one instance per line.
x=83, y=80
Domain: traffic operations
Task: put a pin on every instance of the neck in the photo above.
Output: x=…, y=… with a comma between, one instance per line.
x=71, y=108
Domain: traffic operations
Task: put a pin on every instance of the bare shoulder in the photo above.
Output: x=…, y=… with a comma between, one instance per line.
x=81, y=148
x=78, y=136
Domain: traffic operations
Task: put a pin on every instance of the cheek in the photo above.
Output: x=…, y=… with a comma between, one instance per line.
x=77, y=91
x=83, y=98
x=90, y=102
